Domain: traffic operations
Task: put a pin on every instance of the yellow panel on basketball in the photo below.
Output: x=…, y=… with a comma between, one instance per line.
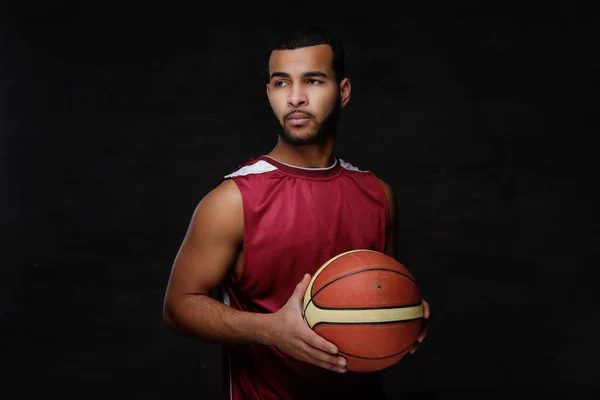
x=366, y=303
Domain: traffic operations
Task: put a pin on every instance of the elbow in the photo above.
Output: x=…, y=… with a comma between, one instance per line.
x=182, y=316
x=169, y=319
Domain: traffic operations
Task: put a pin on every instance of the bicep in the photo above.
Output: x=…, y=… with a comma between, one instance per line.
x=211, y=244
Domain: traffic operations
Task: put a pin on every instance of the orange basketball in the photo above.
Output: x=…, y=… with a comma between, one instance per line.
x=368, y=305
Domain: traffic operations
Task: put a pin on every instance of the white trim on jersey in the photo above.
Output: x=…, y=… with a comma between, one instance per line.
x=258, y=167
x=307, y=169
x=349, y=166
x=225, y=294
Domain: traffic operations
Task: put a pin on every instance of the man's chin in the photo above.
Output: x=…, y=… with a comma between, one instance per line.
x=298, y=137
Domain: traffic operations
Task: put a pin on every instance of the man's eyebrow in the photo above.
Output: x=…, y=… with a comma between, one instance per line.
x=279, y=74
x=313, y=74
x=310, y=74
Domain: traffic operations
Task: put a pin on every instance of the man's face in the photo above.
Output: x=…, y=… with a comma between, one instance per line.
x=304, y=94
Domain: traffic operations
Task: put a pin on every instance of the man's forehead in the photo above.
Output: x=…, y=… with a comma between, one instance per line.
x=304, y=58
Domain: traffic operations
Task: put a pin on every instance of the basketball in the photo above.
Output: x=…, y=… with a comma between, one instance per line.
x=368, y=305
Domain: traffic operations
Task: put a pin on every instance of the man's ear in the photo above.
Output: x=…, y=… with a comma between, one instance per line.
x=345, y=89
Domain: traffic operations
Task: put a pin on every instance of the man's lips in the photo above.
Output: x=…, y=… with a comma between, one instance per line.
x=297, y=116
x=298, y=119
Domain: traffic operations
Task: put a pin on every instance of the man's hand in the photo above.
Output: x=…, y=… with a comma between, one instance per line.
x=292, y=335
x=424, y=328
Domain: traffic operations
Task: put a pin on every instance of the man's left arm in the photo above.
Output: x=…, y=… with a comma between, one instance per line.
x=390, y=250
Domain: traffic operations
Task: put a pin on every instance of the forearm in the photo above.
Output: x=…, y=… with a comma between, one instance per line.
x=203, y=318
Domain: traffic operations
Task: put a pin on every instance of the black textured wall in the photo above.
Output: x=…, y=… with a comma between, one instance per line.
x=115, y=122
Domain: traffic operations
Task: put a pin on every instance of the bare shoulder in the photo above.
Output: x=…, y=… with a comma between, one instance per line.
x=221, y=209
x=226, y=194
x=389, y=192
x=211, y=244
x=390, y=197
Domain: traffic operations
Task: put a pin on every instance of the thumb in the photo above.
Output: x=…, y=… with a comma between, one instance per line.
x=302, y=286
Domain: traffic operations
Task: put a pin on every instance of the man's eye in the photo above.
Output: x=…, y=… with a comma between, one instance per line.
x=280, y=83
x=314, y=81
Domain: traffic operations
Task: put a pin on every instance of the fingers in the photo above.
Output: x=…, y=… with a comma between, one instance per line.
x=323, y=351
x=420, y=337
x=414, y=347
x=424, y=329
x=424, y=321
x=297, y=339
x=426, y=309
x=313, y=339
x=301, y=287
x=324, y=360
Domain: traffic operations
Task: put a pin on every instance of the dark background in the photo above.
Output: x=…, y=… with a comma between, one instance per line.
x=116, y=120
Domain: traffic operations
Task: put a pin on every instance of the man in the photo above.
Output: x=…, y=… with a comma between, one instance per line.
x=268, y=226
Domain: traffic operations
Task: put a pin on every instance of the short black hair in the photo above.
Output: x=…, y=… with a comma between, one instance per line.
x=297, y=36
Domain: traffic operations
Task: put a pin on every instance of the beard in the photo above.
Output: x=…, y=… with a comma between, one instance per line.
x=319, y=134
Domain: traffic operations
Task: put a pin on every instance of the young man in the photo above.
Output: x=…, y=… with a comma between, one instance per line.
x=269, y=225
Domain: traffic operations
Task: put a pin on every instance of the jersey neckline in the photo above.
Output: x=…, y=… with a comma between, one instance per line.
x=302, y=171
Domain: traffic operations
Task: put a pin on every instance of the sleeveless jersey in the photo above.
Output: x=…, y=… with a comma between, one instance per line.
x=295, y=219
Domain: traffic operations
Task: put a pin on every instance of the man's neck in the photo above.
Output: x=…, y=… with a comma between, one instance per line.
x=307, y=156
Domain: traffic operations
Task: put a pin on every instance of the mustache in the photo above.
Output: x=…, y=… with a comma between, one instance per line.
x=298, y=111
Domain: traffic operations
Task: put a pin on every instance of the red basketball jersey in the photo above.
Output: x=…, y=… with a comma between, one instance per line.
x=295, y=219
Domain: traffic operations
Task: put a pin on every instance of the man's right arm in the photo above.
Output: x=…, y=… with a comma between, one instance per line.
x=209, y=249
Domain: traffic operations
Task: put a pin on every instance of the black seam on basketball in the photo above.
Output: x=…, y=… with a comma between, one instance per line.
x=365, y=308
x=375, y=358
x=305, y=308
x=356, y=308
x=364, y=270
x=358, y=272
x=397, y=321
